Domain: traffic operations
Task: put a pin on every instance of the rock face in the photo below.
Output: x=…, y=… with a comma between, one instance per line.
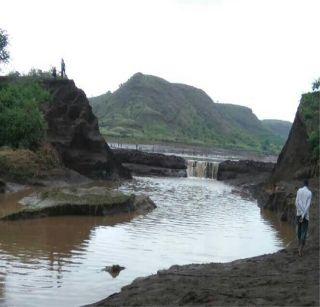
x=73, y=130
x=81, y=201
x=154, y=164
x=296, y=160
x=235, y=169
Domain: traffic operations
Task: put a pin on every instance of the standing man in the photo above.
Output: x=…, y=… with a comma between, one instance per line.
x=303, y=201
x=63, y=69
x=54, y=73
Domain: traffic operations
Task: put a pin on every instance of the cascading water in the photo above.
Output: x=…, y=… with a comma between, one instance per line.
x=203, y=169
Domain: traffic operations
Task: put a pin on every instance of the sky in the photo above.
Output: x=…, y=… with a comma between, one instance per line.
x=262, y=54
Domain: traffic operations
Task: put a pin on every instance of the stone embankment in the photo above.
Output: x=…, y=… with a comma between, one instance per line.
x=151, y=164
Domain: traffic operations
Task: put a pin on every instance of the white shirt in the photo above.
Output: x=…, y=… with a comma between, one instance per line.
x=303, y=201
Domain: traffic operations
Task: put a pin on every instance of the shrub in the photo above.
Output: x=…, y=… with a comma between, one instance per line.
x=22, y=123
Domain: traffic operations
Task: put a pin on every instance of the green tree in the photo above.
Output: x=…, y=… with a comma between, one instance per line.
x=316, y=84
x=4, y=54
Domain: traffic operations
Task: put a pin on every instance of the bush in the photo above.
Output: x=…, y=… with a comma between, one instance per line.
x=23, y=164
x=310, y=114
x=22, y=123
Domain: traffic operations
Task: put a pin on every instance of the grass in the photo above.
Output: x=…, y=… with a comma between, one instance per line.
x=22, y=165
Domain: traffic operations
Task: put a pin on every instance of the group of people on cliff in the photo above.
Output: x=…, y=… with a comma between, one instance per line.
x=62, y=70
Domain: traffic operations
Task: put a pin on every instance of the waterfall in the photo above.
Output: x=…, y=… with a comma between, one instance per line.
x=203, y=169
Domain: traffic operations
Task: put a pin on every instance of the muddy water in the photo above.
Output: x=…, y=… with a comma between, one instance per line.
x=59, y=261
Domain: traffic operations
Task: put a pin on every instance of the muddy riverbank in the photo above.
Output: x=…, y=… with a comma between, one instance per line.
x=279, y=279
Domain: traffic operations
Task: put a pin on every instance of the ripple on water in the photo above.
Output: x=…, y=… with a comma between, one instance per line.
x=59, y=261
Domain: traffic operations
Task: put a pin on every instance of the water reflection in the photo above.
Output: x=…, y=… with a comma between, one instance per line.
x=59, y=261
x=284, y=230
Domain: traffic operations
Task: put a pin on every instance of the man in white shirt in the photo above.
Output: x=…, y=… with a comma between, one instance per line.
x=303, y=201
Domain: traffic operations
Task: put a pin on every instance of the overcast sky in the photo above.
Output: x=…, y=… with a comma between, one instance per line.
x=258, y=53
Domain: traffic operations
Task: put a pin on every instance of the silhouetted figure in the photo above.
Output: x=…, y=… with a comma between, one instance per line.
x=54, y=73
x=63, y=69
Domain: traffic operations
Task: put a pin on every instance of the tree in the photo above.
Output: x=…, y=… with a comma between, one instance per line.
x=4, y=54
x=316, y=84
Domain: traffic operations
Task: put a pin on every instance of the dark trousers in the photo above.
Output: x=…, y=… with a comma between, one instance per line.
x=302, y=230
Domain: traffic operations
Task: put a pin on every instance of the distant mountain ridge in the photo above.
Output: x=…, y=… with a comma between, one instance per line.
x=148, y=108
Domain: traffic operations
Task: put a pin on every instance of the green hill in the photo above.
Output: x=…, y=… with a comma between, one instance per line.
x=278, y=127
x=148, y=108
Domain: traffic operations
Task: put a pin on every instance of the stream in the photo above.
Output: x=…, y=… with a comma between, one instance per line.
x=59, y=261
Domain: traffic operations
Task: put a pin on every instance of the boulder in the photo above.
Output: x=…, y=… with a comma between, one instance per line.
x=73, y=131
x=98, y=201
x=113, y=270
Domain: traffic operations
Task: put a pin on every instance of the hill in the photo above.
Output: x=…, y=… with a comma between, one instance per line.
x=148, y=108
x=278, y=127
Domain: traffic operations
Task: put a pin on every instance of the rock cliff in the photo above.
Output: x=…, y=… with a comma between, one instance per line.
x=73, y=130
x=298, y=160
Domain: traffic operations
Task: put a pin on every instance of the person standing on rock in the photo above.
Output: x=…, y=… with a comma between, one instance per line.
x=54, y=73
x=303, y=201
x=63, y=69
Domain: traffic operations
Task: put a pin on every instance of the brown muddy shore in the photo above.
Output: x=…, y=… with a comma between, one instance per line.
x=279, y=279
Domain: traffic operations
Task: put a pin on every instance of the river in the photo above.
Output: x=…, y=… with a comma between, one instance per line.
x=59, y=261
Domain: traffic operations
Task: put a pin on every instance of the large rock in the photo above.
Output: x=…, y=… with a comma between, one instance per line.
x=235, y=169
x=154, y=164
x=81, y=201
x=297, y=159
x=73, y=130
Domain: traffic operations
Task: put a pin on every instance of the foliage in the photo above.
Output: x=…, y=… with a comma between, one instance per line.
x=22, y=123
x=310, y=103
x=4, y=54
x=316, y=84
x=39, y=74
x=24, y=164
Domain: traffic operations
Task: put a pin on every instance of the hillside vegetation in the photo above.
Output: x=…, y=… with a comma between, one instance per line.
x=148, y=108
x=309, y=109
x=278, y=127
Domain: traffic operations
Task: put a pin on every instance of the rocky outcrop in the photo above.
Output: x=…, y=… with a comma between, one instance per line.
x=151, y=164
x=81, y=201
x=73, y=131
x=297, y=161
x=246, y=169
